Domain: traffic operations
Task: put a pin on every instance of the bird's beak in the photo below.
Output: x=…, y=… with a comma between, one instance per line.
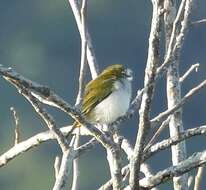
x=129, y=74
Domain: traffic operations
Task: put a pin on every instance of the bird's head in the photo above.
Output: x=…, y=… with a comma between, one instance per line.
x=117, y=71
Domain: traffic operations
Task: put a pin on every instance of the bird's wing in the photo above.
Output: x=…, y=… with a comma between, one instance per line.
x=96, y=91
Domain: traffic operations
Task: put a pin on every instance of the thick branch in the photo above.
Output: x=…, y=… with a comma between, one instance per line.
x=150, y=75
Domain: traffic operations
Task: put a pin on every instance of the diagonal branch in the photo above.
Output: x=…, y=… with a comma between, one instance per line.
x=46, y=96
x=162, y=116
x=47, y=118
x=89, y=50
x=164, y=144
x=196, y=23
x=187, y=73
x=194, y=161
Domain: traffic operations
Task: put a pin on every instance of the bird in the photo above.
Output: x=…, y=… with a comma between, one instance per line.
x=108, y=96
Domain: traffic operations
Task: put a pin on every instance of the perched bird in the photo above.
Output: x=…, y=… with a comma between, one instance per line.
x=107, y=97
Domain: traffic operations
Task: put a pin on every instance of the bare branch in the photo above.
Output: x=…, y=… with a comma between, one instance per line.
x=174, y=87
x=150, y=75
x=65, y=168
x=114, y=160
x=188, y=72
x=16, y=130
x=90, y=51
x=46, y=96
x=169, y=54
x=83, y=52
x=127, y=147
x=190, y=179
x=68, y=154
x=81, y=85
x=147, y=172
x=76, y=164
x=125, y=175
x=174, y=140
x=162, y=116
x=194, y=161
x=86, y=147
x=196, y=23
x=154, y=149
x=157, y=133
x=198, y=177
x=47, y=118
x=36, y=140
x=56, y=166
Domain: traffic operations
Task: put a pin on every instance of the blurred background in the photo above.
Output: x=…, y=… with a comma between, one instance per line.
x=39, y=39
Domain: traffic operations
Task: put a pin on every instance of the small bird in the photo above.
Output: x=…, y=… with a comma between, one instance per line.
x=107, y=97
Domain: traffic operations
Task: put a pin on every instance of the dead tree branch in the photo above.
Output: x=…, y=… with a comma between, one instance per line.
x=150, y=75
x=16, y=130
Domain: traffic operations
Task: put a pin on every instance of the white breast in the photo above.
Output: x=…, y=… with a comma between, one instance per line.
x=115, y=105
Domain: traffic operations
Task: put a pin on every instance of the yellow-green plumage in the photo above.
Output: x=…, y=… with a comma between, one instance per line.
x=100, y=88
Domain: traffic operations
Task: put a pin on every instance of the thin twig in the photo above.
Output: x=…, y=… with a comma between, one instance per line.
x=170, y=49
x=189, y=71
x=201, y=21
x=56, y=166
x=162, y=116
x=83, y=51
x=16, y=130
x=91, y=58
x=157, y=133
x=47, y=118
